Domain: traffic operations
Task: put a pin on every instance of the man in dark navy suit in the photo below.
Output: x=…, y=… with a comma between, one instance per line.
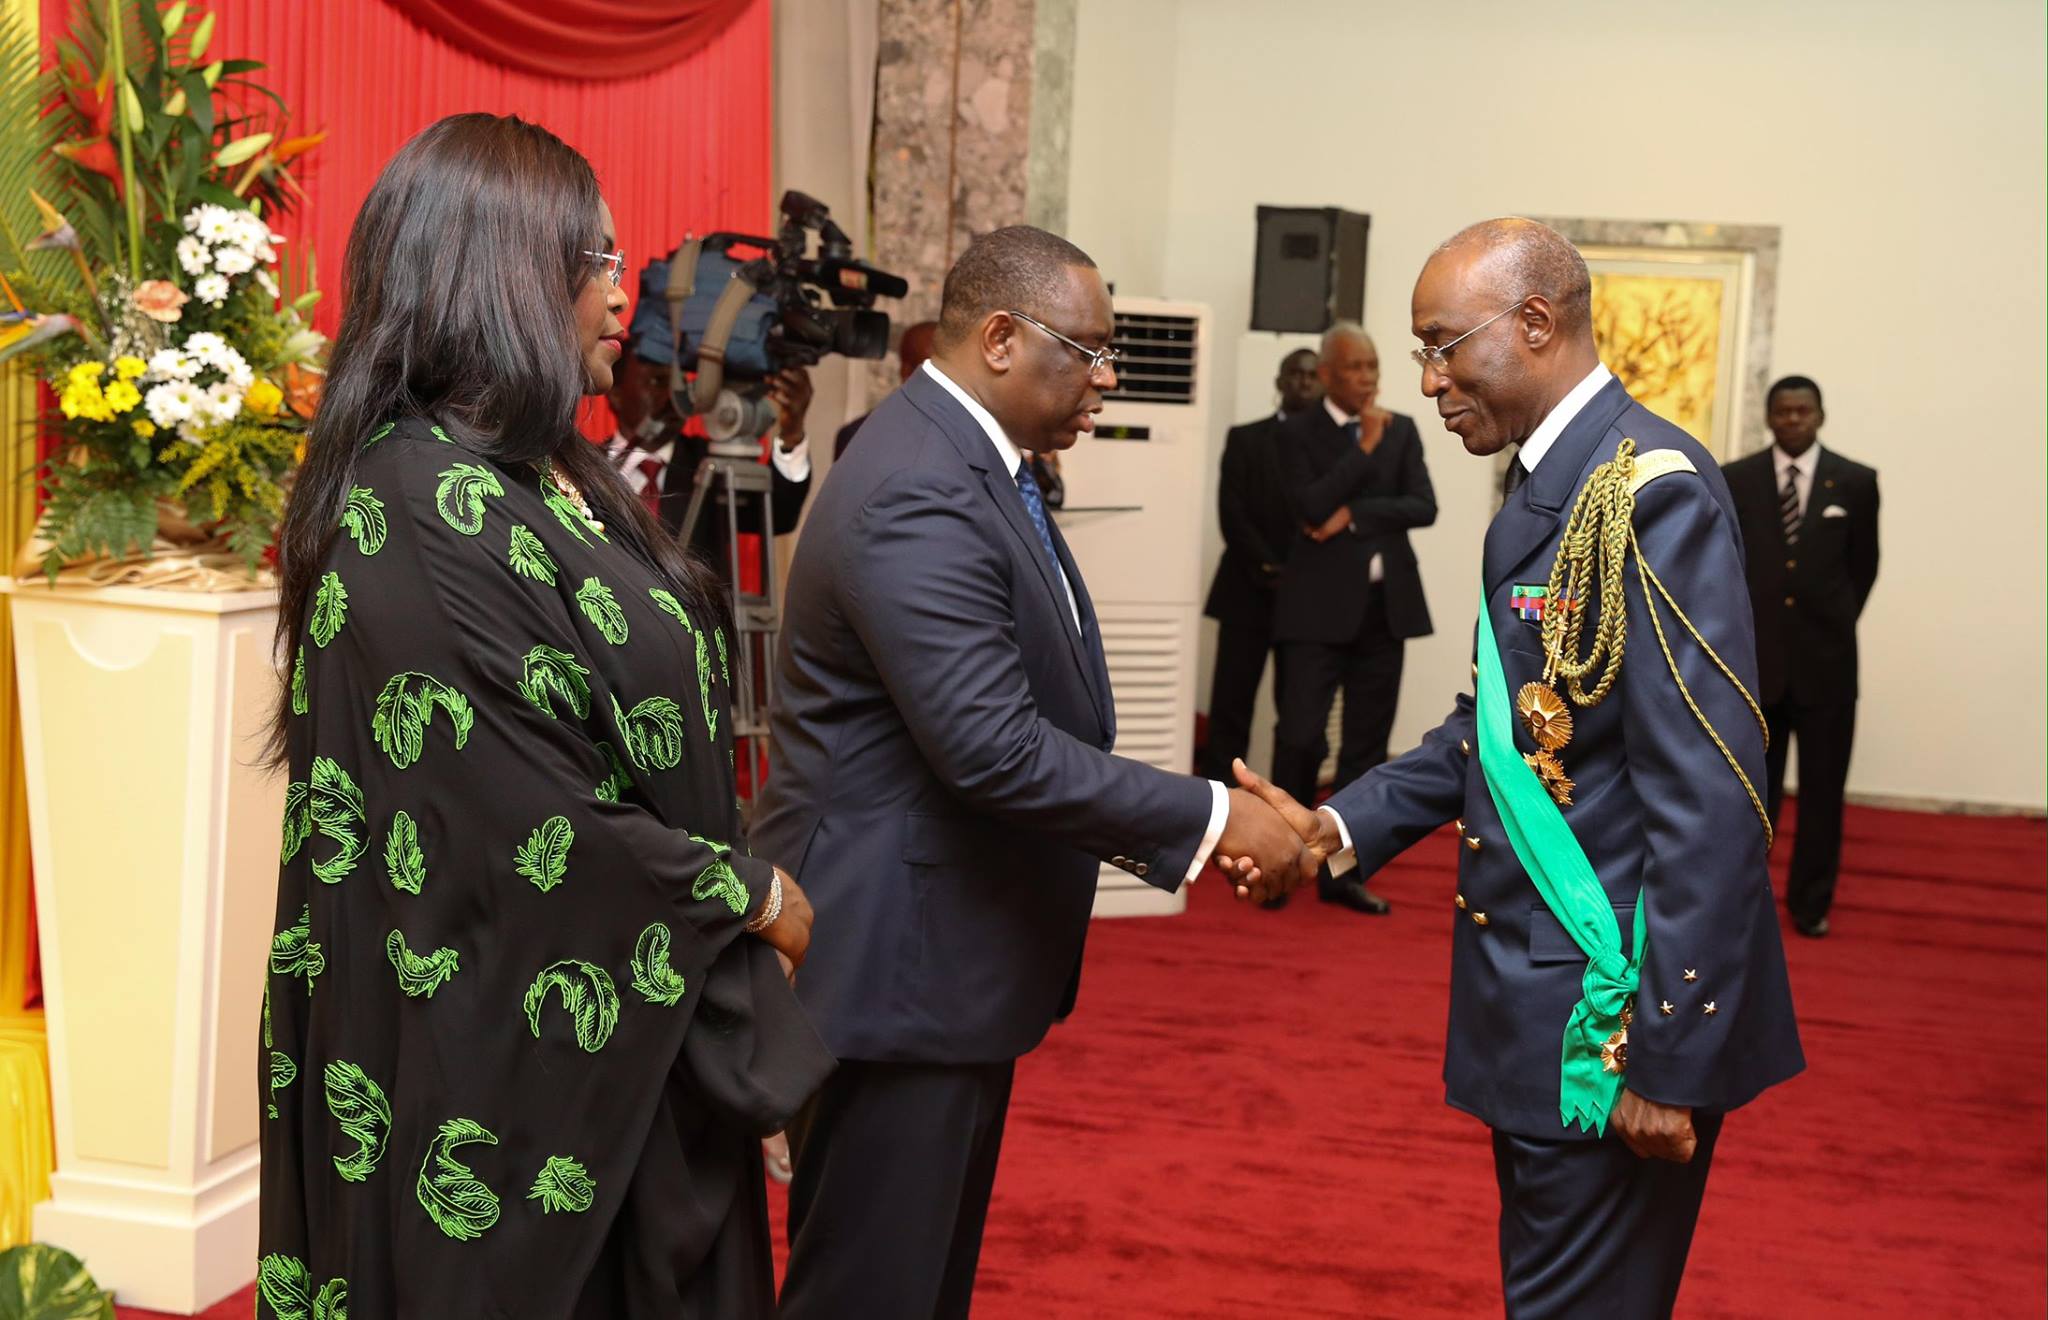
x=941, y=782
x=1596, y=1214
x=1809, y=518
x=1258, y=532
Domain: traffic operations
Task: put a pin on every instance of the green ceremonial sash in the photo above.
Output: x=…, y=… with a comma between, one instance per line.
x=1548, y=851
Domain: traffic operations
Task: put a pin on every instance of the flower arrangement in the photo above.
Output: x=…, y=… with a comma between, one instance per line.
x=141, y=277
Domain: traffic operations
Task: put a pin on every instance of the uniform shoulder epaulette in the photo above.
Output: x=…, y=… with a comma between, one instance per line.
x=1658, y=463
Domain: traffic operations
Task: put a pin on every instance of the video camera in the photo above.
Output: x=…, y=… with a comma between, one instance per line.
x=735, y=322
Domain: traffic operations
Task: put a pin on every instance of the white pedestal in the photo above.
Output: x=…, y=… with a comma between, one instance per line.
x=155, y=840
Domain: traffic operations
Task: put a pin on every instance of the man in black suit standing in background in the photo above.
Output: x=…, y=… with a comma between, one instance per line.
x=1258, y=531
x=942, y=783
x=1350, y=595
x=1809, y=526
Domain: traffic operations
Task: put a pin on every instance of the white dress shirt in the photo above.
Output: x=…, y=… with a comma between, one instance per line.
x=1376, y=570
x=1533, y=449
x=1801, y=469
x=1013, y=458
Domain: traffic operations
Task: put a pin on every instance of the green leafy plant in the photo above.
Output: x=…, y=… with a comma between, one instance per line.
x=45, y=1283
x=140, y=275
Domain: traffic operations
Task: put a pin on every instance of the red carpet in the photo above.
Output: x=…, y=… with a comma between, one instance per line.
x=1246, y=1118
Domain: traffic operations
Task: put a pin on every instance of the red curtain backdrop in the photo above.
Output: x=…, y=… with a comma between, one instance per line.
x=596, y=39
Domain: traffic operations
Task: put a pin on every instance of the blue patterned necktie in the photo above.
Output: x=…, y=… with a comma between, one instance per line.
x=1034, y=504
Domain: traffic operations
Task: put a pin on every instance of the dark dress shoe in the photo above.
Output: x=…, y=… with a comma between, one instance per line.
x=1275, y=904
x=1357, y=897
x=1812, y=930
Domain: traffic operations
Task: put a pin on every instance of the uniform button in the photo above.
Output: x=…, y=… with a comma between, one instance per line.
x=1119, y=861
x=1791, y=563
x=1472, y=842
x=1460, y=901
x=1790, y=601
x=1142, y=870
x=1461, y=826
x=1465, y=746
x=1479, y=918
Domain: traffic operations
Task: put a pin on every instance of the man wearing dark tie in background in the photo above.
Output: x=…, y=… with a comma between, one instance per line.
x=1350, y=595
x=942, y=786
x=1258, y=531
x=1809, y=520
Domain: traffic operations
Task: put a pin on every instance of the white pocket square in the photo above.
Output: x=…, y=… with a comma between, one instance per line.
x=1834, y=511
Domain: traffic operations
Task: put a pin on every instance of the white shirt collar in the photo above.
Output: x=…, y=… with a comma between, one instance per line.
x=1338, y=415
x=1803, y=464
x=1012, y=457
x=1570, y=406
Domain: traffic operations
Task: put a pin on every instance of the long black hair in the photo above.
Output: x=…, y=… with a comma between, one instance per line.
x=461, y=278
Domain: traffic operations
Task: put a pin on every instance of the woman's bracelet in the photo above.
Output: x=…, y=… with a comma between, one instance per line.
x=771, y=908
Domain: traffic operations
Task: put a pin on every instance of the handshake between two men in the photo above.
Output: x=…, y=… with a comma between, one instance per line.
x=1271, y=844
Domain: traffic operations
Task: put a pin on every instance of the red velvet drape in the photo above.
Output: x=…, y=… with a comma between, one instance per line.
x=592, y=39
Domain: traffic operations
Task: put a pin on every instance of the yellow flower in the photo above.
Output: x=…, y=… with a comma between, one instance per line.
x=263, y=398
x=121, y=396
x=82, y=398
x=143, y=427
x=85, y=373
x=128, y=368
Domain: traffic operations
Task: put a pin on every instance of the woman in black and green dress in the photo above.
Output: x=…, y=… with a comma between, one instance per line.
x=525, y=1020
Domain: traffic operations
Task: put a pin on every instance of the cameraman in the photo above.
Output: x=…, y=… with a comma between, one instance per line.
x=660, y=462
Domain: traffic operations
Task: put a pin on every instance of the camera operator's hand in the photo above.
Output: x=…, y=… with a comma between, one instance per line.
x=791, y=391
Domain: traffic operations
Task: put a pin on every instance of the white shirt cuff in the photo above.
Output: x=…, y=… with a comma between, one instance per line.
x=1347, y=859
x=1219, y=815
x=793, y=463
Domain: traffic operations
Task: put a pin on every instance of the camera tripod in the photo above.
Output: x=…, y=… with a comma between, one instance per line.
x=757, y=616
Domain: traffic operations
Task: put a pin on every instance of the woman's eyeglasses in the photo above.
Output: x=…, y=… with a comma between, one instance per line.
x=614, y=264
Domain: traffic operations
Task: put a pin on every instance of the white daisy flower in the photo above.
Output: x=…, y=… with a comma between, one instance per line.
x=216, y=224
x=171, y=364
x=211, y=289
x=233, y=261
x=172, y=403
x=223, y=402
x=192, y=255
x=207, y=347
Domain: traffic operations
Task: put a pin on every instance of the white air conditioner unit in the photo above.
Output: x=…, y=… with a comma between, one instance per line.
x=1133, y=518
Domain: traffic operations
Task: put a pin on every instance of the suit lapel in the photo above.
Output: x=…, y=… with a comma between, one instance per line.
x=1817, y=491
x=1095, y=663
x=1530, y=518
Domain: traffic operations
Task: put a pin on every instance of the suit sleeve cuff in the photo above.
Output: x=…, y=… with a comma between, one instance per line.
x=1219, y=813
x=1346, y=860
x=793, y=463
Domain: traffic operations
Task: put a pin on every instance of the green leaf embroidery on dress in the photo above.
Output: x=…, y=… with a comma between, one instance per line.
x=287, y=1286
x=460, y=496
x=667, y=601
x=588, y=995
x=566, y=512
x=719, y=880
x=419, y=976
x=338, y=814
x=618, y=781
x=359, y=1106
x=330, y=609
x=547, y=668
x=656, y=981
x=379, y=434
x=405, y=707
x=403, y=860
x=298, y=819
x=602, y=609
x=442, y=436
x=293, y=952
x=331, y=1302
x=362, y=517
x=459, y=1204
x=299, y=704
x=724, y=663
x=652, y=732
x=544, y=857
x=563, y=1184
x=529, y=557
x=283, y=1072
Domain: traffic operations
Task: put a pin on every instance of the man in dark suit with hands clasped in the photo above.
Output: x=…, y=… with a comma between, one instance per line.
x=942, y=784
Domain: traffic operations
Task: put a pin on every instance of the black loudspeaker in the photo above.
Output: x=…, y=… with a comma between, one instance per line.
x=1309, y=269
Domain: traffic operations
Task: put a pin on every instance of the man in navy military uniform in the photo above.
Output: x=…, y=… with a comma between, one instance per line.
x=1596, y=1218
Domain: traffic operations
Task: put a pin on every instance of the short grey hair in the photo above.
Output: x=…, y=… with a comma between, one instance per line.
x=1526, y=256
x=1342, y=330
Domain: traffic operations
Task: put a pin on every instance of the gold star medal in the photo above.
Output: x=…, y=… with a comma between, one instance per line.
x=1550, y=773
x=1544, y=713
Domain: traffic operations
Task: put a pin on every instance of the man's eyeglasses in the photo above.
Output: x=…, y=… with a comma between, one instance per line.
x=1097, y=358
x=1429, y=355
x=614, y=264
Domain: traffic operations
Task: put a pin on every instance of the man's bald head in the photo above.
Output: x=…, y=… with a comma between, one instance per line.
x=1516, y=258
